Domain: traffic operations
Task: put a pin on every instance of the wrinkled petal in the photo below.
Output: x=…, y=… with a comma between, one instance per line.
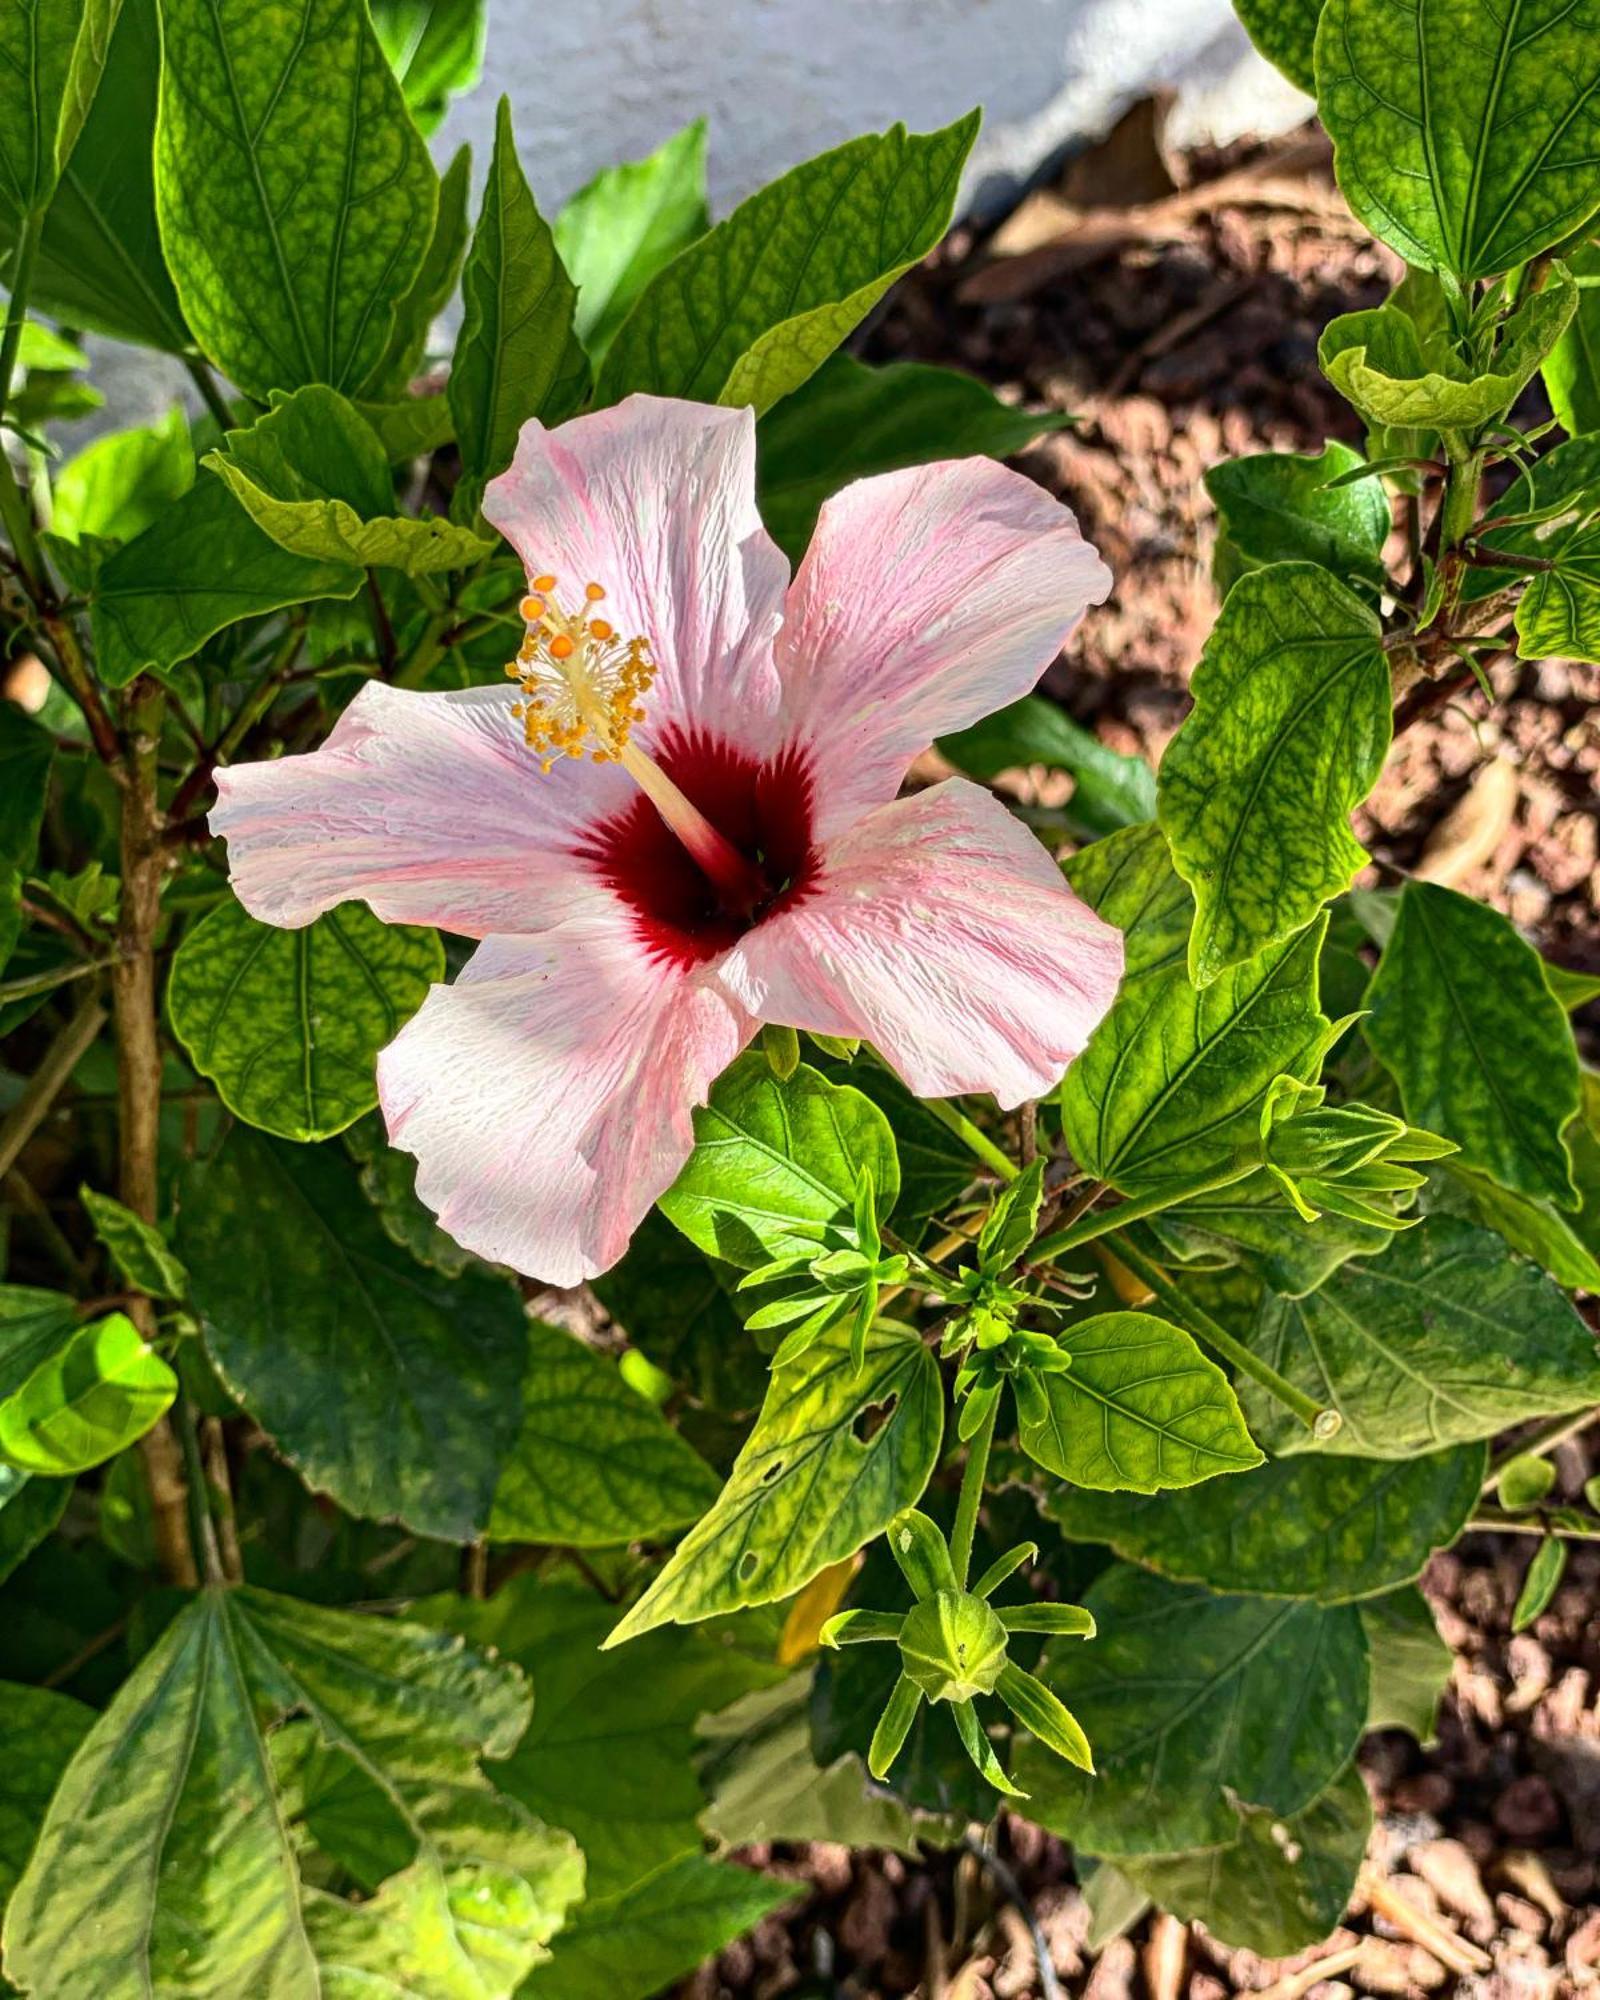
x=944, y=934
x=548, y=1093
x=429, y=807
x=928, y=599
x=656, y=501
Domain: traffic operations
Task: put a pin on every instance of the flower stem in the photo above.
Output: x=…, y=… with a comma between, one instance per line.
x=1101, y=1222
x=1313, y=1415
x=977, y=1470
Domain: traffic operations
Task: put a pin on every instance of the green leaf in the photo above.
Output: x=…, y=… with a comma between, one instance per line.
x=1278, y=507
x=836, y=1452
x=1525, y=1480
x=1558, y=614
x=435, y=48
x=1140, y=1408
x=517, y=355
x=141, y=1254
x=850, y=421
x=1332, y=1529
x=434, y=285
x=1411, y=1664
x=1289, y=730
x=1282, y=1885
x=753, y=308
x=637, y=1942
x=627, y=224
x=84, y=1403
x=413, y=427
x=314, y=475
x=676, y=1306
x=201, y=565
x=1572, y=367
x=593, y=1463
x=1566, y=1244
x=30, y=1509
x=1462, y=1017
x=1541, y=1582
x=1443, y=1339
x=51, y=55
x=120, y=484
x=1183, y=1696
x=1170, y=1086
x=775, y=1162
x=389, y=1182
x=170, y=1824
x=1109, y=789
x=1467, y=139
x=39, y=1732
x=1285, y=31
x=631, y=1813
x=34, y=1325
x=1251, y=1222
x=935, y=1167
x=385, y=1385
x=100, y=262
x=288, y=1024
x=1399, y=374
x=295, y=196
x=26, y=754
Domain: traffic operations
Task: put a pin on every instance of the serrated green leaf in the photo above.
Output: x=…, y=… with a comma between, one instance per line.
x=384, y=1384
x=630, y=1814
x=200, y=566
x=1331, y=1529
x=435, y=48
x=774, y=1162
x=1285, y=31
x=295, y=196
x=82, y=1404
x=1282, y=1885
x=1171, y=1084
x=1183, y=1698
x=1443, y=1339
x=627, y=224
x=1541, y=1582
x=753, y=308
x=517, y=355
x=1290, y=726
x=1461, y=1016
x=119, y=484
x=1399, y=374
x=434, y=285
x=1279, y=506
x=412, y=427
x=52, y=53
x=314, y=475
x=593, y=1463
x=850, y=421
x=26, y=754
x=1140, y=1408
x=1110, y=790
x=1466, y=138
x=1411, y=1664
x=637, y=1942
x=288, y=1024
x=169, y=1825
x=836, y=1453
x=139, y=1251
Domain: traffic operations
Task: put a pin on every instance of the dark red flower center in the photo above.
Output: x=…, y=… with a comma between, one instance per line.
x=764, y=809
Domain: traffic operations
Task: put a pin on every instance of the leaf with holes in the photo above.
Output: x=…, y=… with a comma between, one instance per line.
x=1467, y=137
x=1140, y=1408
x=1198, y=1706
x=1332, y=1529
x=1461, y=1015
x=295, y=196
x=288, y=1024
x=835, y=1454
x=1443, y=1339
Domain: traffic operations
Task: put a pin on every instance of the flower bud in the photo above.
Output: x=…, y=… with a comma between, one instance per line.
x=953, y=1646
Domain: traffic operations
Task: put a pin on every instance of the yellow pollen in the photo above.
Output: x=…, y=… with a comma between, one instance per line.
x=581, y=683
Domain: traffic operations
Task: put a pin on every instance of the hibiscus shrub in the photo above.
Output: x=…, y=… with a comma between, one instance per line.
x=587, y=1284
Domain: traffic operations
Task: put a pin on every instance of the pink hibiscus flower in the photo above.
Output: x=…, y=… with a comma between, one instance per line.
x=731, y=851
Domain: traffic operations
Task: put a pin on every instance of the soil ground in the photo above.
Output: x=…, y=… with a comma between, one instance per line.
x=1173, y=305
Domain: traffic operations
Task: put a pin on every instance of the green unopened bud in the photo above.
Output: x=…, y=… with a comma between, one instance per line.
x=953, y=1646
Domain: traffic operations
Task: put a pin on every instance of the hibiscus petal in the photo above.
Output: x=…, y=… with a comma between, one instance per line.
x=656, y=501
x=548, y=1093
x=928, y=599
x=944, y=934
x=430, y=807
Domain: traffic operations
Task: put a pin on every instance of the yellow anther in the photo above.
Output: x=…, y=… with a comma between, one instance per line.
x=582, y=682
x=594, y=592
x=599, y=629
x=544, y=583
x=561, y=647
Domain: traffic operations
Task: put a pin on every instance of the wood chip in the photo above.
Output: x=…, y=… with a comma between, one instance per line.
x=1452, y=1950
x=1452, y=1874
x=1466, y=838
x=1295, y=1984
x=1165, y=1955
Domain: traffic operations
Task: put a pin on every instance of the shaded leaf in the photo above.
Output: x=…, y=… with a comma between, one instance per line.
x=432, y=289
x=26, y=754
x=120, y=484
x=676, y=1306
x=51, y=55
x=1411, y=1664
x=39, y=1732
x=1572, y=367
x=139, y=1251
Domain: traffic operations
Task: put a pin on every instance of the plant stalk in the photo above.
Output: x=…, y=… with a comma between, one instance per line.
x=977, y=1143
x=61, y=1059
x=1101, y=1222
x=977, y=1470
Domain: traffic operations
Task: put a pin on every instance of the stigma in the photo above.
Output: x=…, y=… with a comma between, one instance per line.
x=582, y=683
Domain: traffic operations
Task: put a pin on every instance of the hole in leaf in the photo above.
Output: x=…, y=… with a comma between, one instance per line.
x=869, y=1421
x=749, y=1563
x=774, y=1471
